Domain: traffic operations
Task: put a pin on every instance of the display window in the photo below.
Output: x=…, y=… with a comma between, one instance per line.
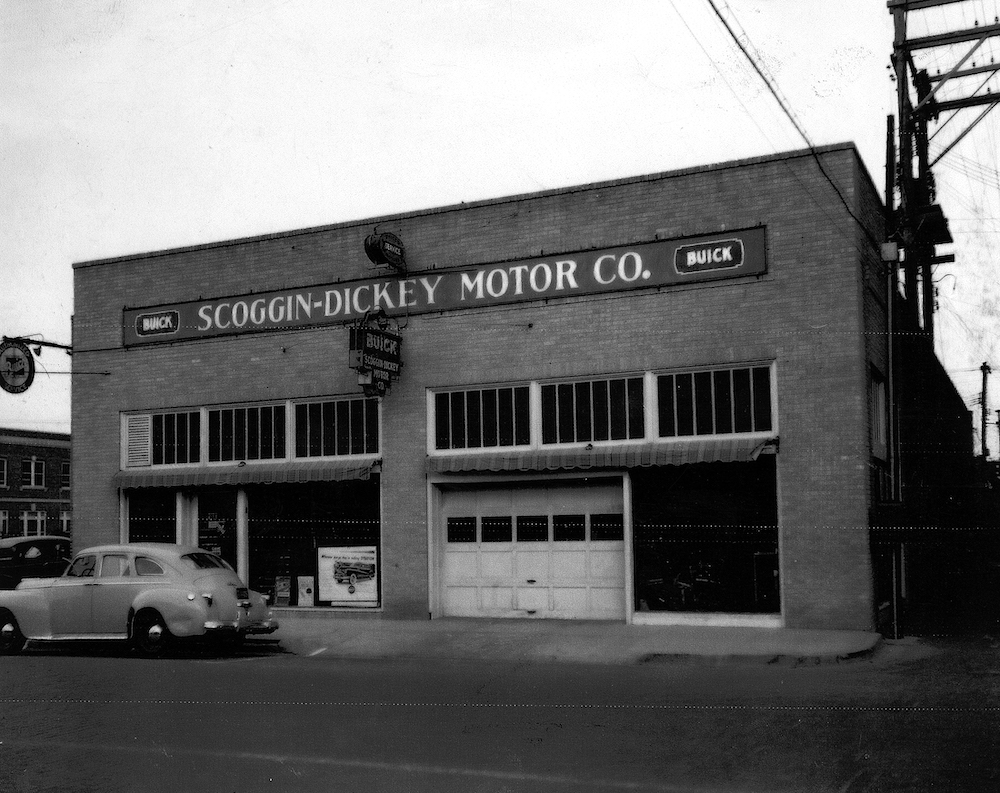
x=152, y=515
x=315, y=544
x=706, y=538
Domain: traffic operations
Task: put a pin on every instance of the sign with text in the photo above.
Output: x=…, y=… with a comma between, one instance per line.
x=377, y=353
x=662, y=263
x=348, y=575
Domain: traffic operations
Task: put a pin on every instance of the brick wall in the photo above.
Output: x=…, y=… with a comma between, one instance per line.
x=810, y=313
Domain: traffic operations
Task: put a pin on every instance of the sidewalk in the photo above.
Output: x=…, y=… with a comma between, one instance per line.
x=328, y=636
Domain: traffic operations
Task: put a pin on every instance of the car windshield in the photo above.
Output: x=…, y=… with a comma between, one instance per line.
x=205, y=561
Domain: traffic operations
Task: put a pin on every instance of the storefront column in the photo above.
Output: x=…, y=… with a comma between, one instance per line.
x=242, y=535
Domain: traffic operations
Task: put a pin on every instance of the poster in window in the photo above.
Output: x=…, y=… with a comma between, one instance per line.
x=349, y=576
x=306, y=590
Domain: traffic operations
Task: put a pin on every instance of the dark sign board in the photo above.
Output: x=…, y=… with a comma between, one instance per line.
x=653, y=264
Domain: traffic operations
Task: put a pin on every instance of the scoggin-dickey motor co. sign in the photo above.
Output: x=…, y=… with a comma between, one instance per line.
x=653, y=264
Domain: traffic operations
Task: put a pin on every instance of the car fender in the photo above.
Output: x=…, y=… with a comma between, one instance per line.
x=184, y=616
x=29, y=604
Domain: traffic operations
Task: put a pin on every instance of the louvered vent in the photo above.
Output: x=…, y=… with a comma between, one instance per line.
x=139, y=448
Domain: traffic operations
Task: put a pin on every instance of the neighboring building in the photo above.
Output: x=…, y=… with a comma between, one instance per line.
x=34, y=483
x=663, y=399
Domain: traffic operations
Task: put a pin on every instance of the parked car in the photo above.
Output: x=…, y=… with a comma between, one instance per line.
x=32, y=557
x=146, y=593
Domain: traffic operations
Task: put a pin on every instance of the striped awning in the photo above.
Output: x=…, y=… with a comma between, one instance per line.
x=268, y=473
x=645, y=455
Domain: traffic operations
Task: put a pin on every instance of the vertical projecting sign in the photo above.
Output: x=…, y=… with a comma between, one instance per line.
x=376, y=354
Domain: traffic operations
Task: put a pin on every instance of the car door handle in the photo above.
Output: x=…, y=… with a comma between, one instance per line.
x=531, y=581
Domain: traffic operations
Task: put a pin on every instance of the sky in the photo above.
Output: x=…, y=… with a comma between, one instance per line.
x=128, y=126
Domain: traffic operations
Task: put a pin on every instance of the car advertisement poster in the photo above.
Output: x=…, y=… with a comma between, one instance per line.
x=349, y=575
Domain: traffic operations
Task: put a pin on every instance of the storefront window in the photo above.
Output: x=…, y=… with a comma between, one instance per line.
x=706, y=538
x=217, y=522
x=152, y=515
x=315, y=544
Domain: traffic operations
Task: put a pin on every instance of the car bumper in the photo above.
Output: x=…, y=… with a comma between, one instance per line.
x=268, y=625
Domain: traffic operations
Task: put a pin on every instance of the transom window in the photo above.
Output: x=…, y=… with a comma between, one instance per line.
x=338, y=427
x=246, y=433
x=715, y=402
x=482, y=418
x=176, y=438
x=593, y=410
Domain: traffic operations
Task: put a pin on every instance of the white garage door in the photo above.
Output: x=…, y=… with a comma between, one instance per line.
x=534, y=551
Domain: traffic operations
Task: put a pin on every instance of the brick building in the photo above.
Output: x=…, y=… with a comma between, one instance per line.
x=34, y=483
x=662, y=399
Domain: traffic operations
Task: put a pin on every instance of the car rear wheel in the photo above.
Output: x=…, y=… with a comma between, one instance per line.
x=150, y=636
x=11, y=638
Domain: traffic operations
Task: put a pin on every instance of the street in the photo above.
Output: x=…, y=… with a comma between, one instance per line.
x=920, y=715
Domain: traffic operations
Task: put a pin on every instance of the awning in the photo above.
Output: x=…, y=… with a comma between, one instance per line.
x=645, y=455
x=268, y=473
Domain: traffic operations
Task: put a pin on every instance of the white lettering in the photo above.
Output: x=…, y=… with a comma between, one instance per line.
x=566, y=274
x=430, y=288
x=205, y=314
x=472, y=285
x=240, y=314
x=497, y=290
x=519, y=270
x=623, y=272
x=330, y=310
x=304, y=305
x=218, y=313
x=382, y=295
x=257, y=312
x=597, y=269
x=543, y=283
x=358, y=308
x=276, y=309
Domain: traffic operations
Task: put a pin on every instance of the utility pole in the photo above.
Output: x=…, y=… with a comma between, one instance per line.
x=919, y=223
x=985, y=369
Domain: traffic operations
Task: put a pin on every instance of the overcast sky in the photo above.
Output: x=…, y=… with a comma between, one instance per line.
x=129, y=126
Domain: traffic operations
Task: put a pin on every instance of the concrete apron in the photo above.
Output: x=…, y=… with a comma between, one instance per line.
x=327, y=636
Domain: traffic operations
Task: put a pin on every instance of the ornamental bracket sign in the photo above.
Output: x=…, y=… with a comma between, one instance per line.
x=376, y=353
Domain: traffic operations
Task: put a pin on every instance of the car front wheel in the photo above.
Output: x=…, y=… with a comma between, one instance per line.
x=150, y=636
x=11, y=638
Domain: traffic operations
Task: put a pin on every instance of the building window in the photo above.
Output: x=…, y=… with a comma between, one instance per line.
x=176, y=438
x=335, y=428
x=33, y=473
x=482, y=418
x=33, y=523
x=715, y=402
x=3, y=472
x=65, y=478
x=246, y=433
x=65, y=522
x=4, y=523
x=593, y=410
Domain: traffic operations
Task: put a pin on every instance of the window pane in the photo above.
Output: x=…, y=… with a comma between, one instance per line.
x=329, y=428
x=491, y=418
x=505, y=409
x=314, y=429
x=665, y=405
x=239, y=434
x=569, y=528
x=498, y=529
x=741, y=400
x=194, y=428
x=619, y=421
x=279, y=431
x=564, y=399
x=442, y=422
x=604, y=528
x=371, y=430
x=602, y=411
x=723, y=401
x=549, y=414
x=214, y=436
x=461, y=529
x=253, y=434
x=157, y=440
x=584, y=425
x=703, y=402
x=522, y=420
x=532, y=528
x=458, y=420
x=343, y=427
x=636, y=409
x=761, y=398
x=474, y=418
x=684, y=388
x=357, y=426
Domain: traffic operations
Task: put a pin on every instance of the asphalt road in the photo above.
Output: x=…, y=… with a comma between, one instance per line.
x=918, y=716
